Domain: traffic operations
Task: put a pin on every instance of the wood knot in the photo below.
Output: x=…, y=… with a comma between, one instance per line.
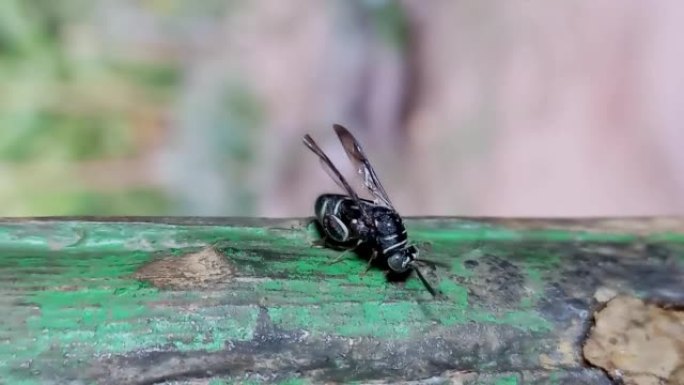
x=190, y=271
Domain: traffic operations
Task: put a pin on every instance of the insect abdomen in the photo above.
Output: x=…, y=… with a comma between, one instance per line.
x=330, y=204
x=330, y=210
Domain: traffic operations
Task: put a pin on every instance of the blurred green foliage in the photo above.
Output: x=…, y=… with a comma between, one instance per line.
x=75, y=95
x=64, y=101
x=390, y=22
x=137, y=201
x=53, y=134
x=243, y=116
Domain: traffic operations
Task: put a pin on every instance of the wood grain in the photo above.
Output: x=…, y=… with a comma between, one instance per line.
x=226, y=300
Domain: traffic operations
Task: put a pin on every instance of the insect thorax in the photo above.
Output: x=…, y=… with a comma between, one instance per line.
x=390, y=231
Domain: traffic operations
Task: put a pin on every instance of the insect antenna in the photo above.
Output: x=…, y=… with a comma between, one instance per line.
x=431, y=262
x=425, y=282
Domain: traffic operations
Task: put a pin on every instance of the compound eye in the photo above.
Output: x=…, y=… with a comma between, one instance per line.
x=398, y=262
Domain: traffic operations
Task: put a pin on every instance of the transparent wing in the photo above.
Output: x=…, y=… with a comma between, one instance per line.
x=362, y=165
x=333, y=172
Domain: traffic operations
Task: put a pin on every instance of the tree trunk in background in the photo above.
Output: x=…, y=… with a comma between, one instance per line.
x=464, y=107
x=538, y=110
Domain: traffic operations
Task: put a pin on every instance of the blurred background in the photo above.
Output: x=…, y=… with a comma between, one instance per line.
x=179, y=107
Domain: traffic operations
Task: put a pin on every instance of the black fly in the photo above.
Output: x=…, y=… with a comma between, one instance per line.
x=353, y=221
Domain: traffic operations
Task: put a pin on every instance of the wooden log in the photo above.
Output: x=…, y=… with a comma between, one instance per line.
x=213, y=301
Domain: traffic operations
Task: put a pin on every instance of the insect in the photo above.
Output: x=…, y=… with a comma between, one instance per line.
x=352, y=221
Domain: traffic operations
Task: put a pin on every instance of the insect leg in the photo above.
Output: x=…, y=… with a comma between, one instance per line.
x=431, y=262
x=320, y=243
x=341, y=256
x=370, y=262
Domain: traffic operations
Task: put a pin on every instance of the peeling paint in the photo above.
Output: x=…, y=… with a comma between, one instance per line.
x=77, y=290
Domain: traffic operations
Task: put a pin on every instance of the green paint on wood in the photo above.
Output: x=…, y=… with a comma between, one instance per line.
x=72, y=292
x=289, y=381
x=507, y=380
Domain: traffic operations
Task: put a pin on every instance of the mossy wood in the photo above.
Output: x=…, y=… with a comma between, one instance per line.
x=213, y=301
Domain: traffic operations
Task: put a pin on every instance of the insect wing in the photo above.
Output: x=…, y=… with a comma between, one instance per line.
x=335, y=173
x=363, y=166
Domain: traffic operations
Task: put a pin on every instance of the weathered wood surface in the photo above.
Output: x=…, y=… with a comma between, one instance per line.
x=144, y=301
